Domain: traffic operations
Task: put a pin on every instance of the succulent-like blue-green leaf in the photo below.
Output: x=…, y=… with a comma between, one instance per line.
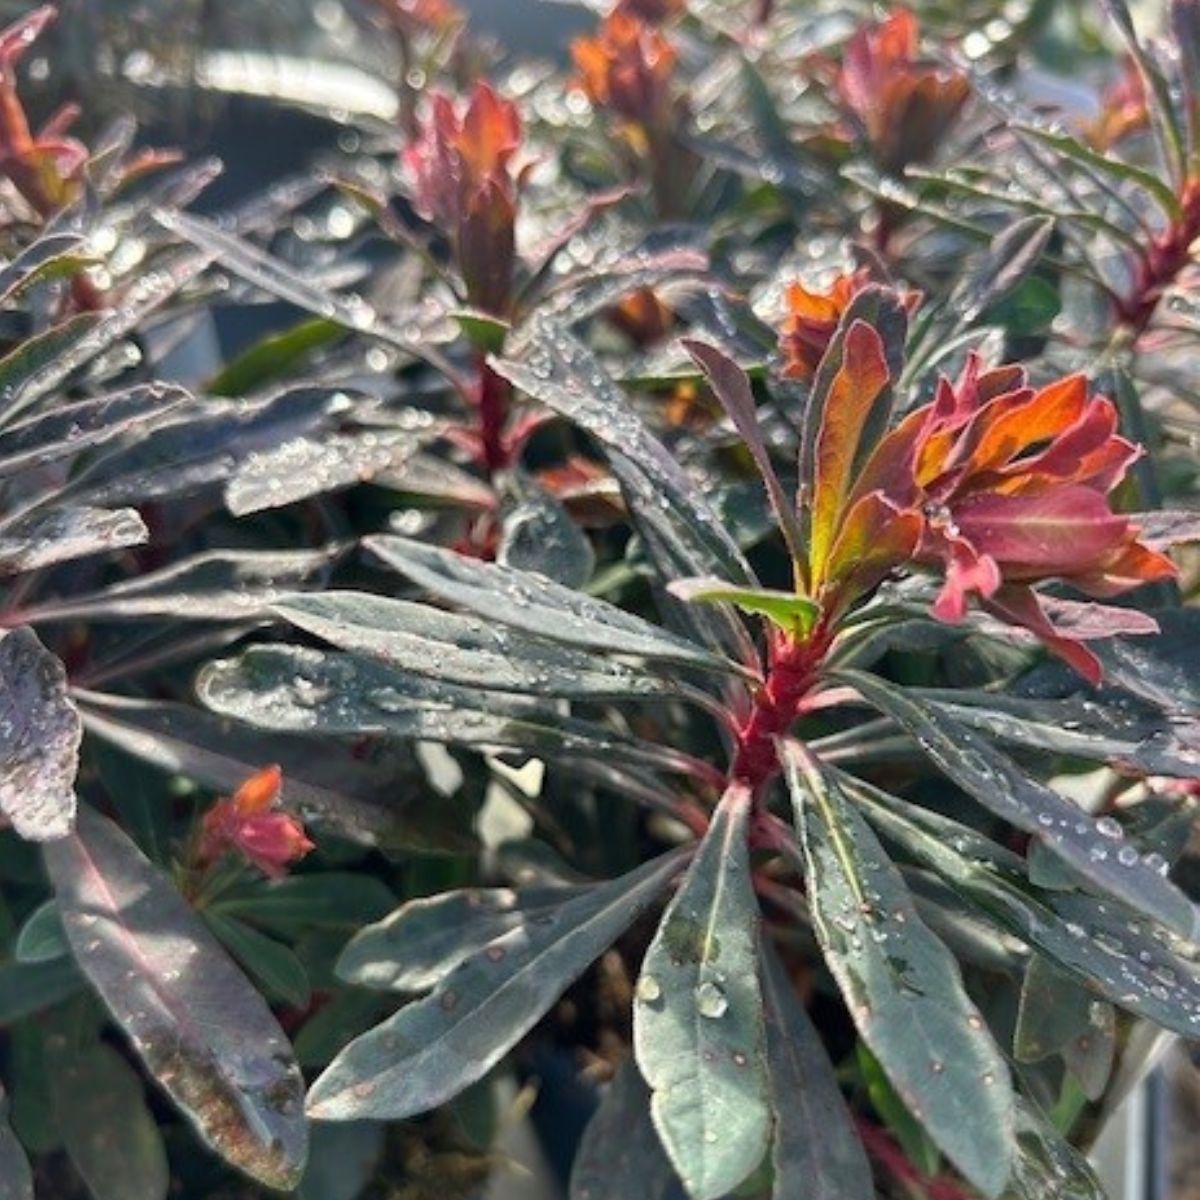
x=422, y=941
x=435, y=1047
x=698, y=1030
x=817, y=1154
x=901, y=985
x=620, y=1155
x=1093, y=848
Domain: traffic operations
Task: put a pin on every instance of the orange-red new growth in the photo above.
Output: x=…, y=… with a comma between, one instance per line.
x=1012, y=488
x=46, y=168
x=1122, y=110
x=655, y=12
x=627, y=68
x=812, y=319
x=411, y=17
x=250, y=823
x=464, y=180
x=905, y=107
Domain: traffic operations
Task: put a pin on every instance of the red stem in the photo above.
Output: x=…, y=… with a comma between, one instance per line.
x=1162, y=263
x=881, y=1146
x=494, y=396
x=794, y=667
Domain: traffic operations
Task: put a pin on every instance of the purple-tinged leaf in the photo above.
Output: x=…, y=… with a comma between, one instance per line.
x=54, y=535
x=900, y=983
x=40, y=734
x=731, y=385
x=195, y=1021
x=1091, y=847
x=433, y=1048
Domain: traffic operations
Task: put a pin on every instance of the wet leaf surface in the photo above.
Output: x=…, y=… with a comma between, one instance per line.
x=195, y=1021
x=698, y=1030
x=434, y=1047
x=817, y=1154
x=414, y=948
x=40, y=734
x=55, y=535
x=900, y=983
x=1092, y=847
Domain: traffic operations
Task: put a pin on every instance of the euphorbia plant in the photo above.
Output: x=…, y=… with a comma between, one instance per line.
x=782, y=814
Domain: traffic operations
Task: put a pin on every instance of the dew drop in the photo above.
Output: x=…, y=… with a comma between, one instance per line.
x=711, y=1001
x=648, y=989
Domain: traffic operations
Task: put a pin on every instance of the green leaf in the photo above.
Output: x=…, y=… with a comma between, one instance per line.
x=792, y=613
x=817, y=1153
x=48, y=254
x=335, y=900
x=483, y=330
x=47, y=536
x=347, y=1015
x=16, y=1179
x=274, y=965
x=537, y=534
x=1135, y=965
x=274, y=356
x=199, y=1026
x=469, y=651
x=295, y=689
x=620, y=1155
x=40, y=732
x=1163, y=668
x=344, y=1159
x=69, y=429
x=29, y=988
x=107, y=1128
x=535, y=605
x=1000, y=269
x=1058, y=1016
x=901, y=985
x=698, y=1031
x=1087, y=845
x=42, y=937
x=422, y=941
x=1049, y=1167
x=435, y=1047
x=21, y=366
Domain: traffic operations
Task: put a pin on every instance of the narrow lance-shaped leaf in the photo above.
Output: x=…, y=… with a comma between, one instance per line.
x=1092, y=847
x=535, y=604
x=698, y=1022
x=817, y=1153
x=413, y=948
x=48, y=536
x=1001, y=268
x=466, y=650
x=40, y=734
x=731, y=385
x=901, y=984
x=620, y=1155
x=1131, y=963
x=435, y=1047
x=107, y=1128
x=881, y=311
x=295, y=689
x=199, y=1026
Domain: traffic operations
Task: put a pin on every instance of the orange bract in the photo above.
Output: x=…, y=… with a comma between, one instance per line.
x=249, y=823
x=627, y=67
x=905, y=107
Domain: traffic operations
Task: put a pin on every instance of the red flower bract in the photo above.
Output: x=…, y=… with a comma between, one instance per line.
x=627, y=68
x=463, y=179
x=250, y=823
x=905, y=107
x=1012, y=485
